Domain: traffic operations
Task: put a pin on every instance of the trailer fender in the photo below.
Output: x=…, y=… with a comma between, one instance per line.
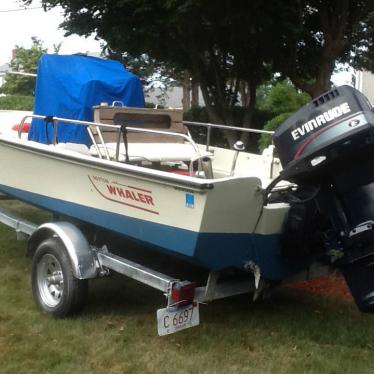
x=83, y=259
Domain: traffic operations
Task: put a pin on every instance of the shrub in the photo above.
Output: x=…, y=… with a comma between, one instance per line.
x=271, y=125
x=17, y=102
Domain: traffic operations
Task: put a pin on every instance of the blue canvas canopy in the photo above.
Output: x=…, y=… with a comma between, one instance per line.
x=69, y=86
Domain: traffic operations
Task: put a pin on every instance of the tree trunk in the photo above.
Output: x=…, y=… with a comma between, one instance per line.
x=248, y=115
x=216, y=117
x=195, y=94
x=244, y=94
x=322, y=82
x=334, y=30
x=186, y=100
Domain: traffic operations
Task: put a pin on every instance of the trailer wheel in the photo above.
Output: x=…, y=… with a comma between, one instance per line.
x=55, y=289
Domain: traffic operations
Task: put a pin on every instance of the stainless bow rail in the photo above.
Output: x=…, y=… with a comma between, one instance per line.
x=98, y=126
x=211, y=126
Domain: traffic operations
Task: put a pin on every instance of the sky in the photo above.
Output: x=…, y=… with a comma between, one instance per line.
x=17, y=26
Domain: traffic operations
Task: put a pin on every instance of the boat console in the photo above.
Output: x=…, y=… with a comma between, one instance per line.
x=163, y=120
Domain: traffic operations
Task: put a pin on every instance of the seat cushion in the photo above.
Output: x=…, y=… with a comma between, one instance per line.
x=155, y=152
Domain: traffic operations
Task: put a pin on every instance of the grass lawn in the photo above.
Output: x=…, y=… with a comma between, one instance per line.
x=293, y=332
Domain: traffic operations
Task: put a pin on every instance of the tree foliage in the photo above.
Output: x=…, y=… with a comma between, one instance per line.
x=24, y=60
x=283, y=98
x=326, y=32
x=271, y=125
x=231, y=47
x=17, y=102
x=281, y=101
x=226, y=46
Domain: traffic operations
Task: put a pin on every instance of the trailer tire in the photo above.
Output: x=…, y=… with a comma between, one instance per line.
x=55, y=289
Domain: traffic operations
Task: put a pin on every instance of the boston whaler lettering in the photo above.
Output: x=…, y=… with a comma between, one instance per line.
x=234, y=221
x=123, y=194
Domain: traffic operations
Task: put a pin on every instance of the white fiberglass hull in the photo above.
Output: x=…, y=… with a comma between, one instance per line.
x=216, y=223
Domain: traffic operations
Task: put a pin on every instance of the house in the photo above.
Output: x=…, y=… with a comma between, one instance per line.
x=365, y=84
x=361, y=80
x=172, y=97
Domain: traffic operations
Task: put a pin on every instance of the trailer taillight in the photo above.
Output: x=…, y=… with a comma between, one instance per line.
x=183, y=292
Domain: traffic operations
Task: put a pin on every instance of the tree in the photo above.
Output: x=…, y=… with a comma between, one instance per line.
x=326, y=32
x=225, y=46
x=24, y=60
x=231, y=47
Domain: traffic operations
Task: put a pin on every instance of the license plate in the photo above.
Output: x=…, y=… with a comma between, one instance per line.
x=177, y=318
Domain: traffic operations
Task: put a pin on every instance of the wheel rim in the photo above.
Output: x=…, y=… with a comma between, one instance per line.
x=50, y=280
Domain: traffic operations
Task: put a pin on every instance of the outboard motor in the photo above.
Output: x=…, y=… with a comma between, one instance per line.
x=327, y=150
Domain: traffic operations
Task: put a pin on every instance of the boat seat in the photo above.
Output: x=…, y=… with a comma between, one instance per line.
x=153, y=152
x=74, y=147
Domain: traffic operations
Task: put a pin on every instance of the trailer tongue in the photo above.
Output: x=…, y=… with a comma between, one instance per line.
x=327, y=149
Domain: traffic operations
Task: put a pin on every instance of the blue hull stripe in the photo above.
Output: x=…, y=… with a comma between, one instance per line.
x=214, y=251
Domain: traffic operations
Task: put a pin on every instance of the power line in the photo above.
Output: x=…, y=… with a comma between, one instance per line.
x=19, y=9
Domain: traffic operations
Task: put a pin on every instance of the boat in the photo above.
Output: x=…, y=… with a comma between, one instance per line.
x=137, y=172
x=213, y=222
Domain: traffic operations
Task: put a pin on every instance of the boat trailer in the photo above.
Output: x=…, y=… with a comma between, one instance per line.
x=88, y=262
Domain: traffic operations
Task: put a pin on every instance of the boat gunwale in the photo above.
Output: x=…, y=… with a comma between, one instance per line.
x=145, y=173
